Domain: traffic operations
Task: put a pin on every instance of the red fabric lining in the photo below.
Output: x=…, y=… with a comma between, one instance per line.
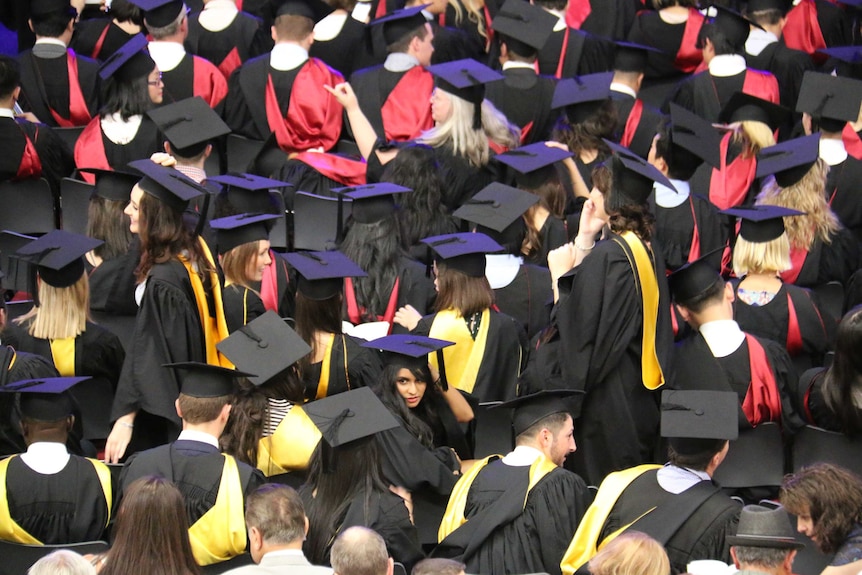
x=407, y=110
x=579, y=10
x=689, y=57
x=632, y=123
x=802, y=30
x=90, y=150
x=762, y=402
x=230, y=63
x=355, y=313
x=30, y=165
x=79, y=115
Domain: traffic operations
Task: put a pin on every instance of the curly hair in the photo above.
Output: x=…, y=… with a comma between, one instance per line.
x=831, y=496
x=589, y=134
x=628, y=217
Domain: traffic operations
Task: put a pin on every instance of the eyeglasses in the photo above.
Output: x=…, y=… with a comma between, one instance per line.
x=157, y=82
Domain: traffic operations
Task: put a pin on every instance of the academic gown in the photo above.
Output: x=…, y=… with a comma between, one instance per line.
x=687, y=231
x=842, y=194
x=70, y=506
x=788, y=66
x=241, y=305
x=637, y=123
x=94, y=150
x=553, y=234
x=812, y=403
x=455, y=40
x=824, y=263
x=243, y=39
x=360, y=368
x=608, y=19
x=194, y=76
x=678, y=55
x=461, y=180
x=705, y=94
x=98, y=38
x=528, y=299
x=816, y=24
x=525, y=99
x=112, y=283
x=33, y=151
x=49, y=89
x=731, y=184
x=571, y=52
x=396, y=103
x=348, y=51
x=601, y=329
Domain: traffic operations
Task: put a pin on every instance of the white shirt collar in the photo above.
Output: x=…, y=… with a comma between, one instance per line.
x=722, y=336
x=120, y=131
x=400, y=62
x=166, y=55
x=668, y=198
x=285, y=552
x=522, y=456
x=623, y=89
x=329, y=27
x=561, y=18
x=218, y=15
x=510, y=65
x=675, y=479
x=7, y=113
x=502, y=269
x=55, y=41
x=832, y=151
x=287, y=56
x=361, y=11
x=199, y=436
x=758, y=40
x=726, y=65
x=45, y=457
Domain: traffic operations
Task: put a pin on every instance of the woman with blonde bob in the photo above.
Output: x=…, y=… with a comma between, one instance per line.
x=632, y=553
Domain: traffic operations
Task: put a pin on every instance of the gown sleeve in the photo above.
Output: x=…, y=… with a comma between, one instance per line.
x=408, y=463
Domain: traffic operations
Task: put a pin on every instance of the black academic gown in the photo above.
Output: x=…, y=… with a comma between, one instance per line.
x=98, y=38
x=528, y=299
x=374, y=88
x=787, y=65
x=350, y=366
x=641, y=128
x=461, y=180
x=241, y=305
x=812, y=403
x=94, y=149
x=112, y=283
x=54, y=155
x=194, y=76
x=824, y=263
x=675, y=230
x=649, y=29
x=610, y=19
x=455, y=41
x=349, y=51
x=705, y=95
x=601, y=325
x=244, y=38
x=525, y=98
x=842, y=194
x=581, y=54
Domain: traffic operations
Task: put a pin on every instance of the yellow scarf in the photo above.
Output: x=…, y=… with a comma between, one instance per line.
x=463, y=359
x=220, y=532
x=63, y=354
x=291, y=446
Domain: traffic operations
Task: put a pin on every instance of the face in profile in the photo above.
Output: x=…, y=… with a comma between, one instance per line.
x=133, y=208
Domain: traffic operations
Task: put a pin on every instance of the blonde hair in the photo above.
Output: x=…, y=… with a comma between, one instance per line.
x=61, y=313
x=753, y=136
x=235, y=262
x=761, y=257
x=466, y=142
x=475, y=13
x=632, y=553
x=807, y=195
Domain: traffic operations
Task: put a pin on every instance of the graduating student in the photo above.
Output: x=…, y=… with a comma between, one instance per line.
x=460, y=29
x=214, y=485
x=524, y=96
x=226, y=36
x=607, y=20
x=815, y=24
x=99, y=38
x=514, y=514
x=341, y=39
x=50, y=496
x=59, y=87
x=637, y=122
x=184, y=75
x=673, y=29
x=571, y=52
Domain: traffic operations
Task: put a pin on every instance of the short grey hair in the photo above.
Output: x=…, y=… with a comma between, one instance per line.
x=277, y=512
x=761, y=556
x=168, y=30
x=359, y=551
x=62, y=562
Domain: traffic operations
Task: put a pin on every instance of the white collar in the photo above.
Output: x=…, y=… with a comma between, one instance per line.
x=330, y=26
x=502, y=269
x=726, y=65
x=758, y=40
x=199, y=436
x=287, y=56
x=675, y=479
x=667, y=198
x=361, y=11
x=7, y=113
x=45, y=457
x=285, y=553
x=722, y=336
x=400, y=62
x=429, y=16
x=511, y=65
x=561, y=18
x=166, y=55
x=522, y=456
x=120, y=131
x=55, y=41
x=218, y=15
x=832, y=151
x=623, y=89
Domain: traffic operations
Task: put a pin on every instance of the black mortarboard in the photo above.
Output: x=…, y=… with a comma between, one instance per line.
x=534, y=163
x=15, y=270
x=350, y=416
x=111, y=184
x=411, y=351
x=234, y=231
x=761, y=223
x=524, y=23
x=790, y=160
x=46, y=399
x=247, y=192
x=690, y=417
x=582, y=96
x=167, y=184
x=131, y=61
x=159, y=13
x=631, y=57
x=189, y=125
x=466, y=79
x=205, y=380
x=372, y=202
x=316, y=10
x=744, y=107
x=44, y=8
x=824, y=96
x=399, y=23
x=693, y=139
x=265, y=345
x=318, y=221
x=531, y=409
x=733, y=25
x=464, y=252
x=633, y=178
x=496, y=206
x=59, y=256
x=695, y=278
x=321, y=274
x=762, y=5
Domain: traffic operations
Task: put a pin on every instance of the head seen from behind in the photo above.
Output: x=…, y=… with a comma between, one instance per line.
x=275, y=519
x=360, y=551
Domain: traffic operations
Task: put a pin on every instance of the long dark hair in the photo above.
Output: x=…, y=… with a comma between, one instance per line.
x=357, y=474
x=376, y=248
x=844, y=377
x=107, y=222
x=418, y=420
x=316, y=315
x=128, y=97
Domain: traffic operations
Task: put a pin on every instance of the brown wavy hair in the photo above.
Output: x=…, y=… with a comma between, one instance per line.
x=628, y=217
x=106, y=221
x=587, y=135
x=458, y=291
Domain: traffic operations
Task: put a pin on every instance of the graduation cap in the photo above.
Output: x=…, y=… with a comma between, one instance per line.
x=167, y=184
x=466, y=79
x=321, y=274
x=695, y=278
x=846, y=54
x=399, y=23
x=371, y=202
x=633, y=177
x=733, y=25
x=58, y=256
x=464, y=252
x=744, y=107
x=159, y=13
x=248, y=193
x=131, y=61
x=693, y=139
x=833, y=98
x=315, y=10
x=45, y=399
x=189, y=125
x=761, y=223
x=44, y=8
x=234, y=231
x=582, y=96
x=112, y=185
x=524, y=23
x=694, y=420
x=631, y=57
x=265, y=345
x=497, y=211
x=789, y=161
x=533, y=163
x=411, y=351
x=531, y=409
x=205, y=380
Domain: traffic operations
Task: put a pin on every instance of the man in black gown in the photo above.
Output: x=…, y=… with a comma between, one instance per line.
x=569, y=51
x=637, y=122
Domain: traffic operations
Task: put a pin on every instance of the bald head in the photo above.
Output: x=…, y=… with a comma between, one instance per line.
x=360, y=551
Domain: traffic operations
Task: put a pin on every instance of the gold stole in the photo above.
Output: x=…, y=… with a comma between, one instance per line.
x=647, y=284
x=585, y=543
x=214, y=328
x=63, y=354
x=11, y=531
x=323, y=382
x=291, y=446
x=220, y=532
x=463, y=359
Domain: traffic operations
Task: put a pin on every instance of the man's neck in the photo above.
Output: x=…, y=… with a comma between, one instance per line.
x=211, y=428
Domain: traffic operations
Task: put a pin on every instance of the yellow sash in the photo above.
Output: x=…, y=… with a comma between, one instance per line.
x=465, y=357
x=11, y=531
x=323, y=382
x=454, y=518
x=645, y=279
x=585, y=543
x=220, y=532
x=214, y=328
x=291, y=446
x=63, y=354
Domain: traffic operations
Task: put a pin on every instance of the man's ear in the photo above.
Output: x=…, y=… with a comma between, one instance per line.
x=390, y=568
x=684, y=313
x=177, y=407
x=733, y=556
